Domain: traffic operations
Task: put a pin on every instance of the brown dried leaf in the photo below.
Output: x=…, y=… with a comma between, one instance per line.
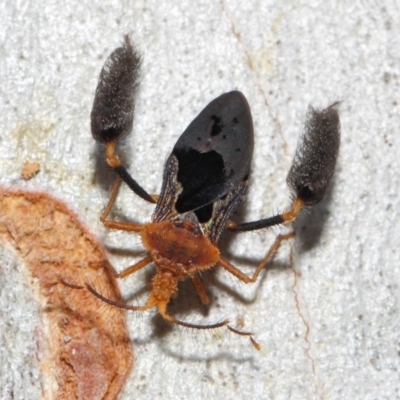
x=87, y=353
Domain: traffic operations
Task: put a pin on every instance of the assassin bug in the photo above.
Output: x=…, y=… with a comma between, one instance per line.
x=205, y=179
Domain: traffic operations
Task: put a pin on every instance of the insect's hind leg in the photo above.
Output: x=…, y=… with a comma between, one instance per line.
x=115, y=163
x=113, y=107
x=312, y=167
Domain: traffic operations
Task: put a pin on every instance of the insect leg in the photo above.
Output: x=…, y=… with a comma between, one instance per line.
x=241, y=275
x=115, y=163
x=124, y=226
x=287, y=216
x=113, y=106
x=312, y=167
x=111, y=200
x=136, y=267
x=198, y=285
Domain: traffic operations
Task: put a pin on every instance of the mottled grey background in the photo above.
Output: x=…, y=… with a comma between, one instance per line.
x=328, y=323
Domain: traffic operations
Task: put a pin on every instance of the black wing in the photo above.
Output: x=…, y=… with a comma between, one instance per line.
x=214, y=153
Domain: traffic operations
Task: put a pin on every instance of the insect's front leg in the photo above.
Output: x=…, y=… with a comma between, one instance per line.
x=124, y=226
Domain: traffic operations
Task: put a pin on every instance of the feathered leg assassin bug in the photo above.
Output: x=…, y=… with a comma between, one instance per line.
x=205, y=179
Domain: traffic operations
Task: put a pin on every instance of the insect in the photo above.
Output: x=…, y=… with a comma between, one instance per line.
x=205, y=179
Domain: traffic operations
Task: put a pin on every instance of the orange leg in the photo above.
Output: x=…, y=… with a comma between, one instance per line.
x=135, y=267
x=114, y=162
x=241, y=275
x=291, y=215
x=198, y=285
x=111, y=200
x=123, y=226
